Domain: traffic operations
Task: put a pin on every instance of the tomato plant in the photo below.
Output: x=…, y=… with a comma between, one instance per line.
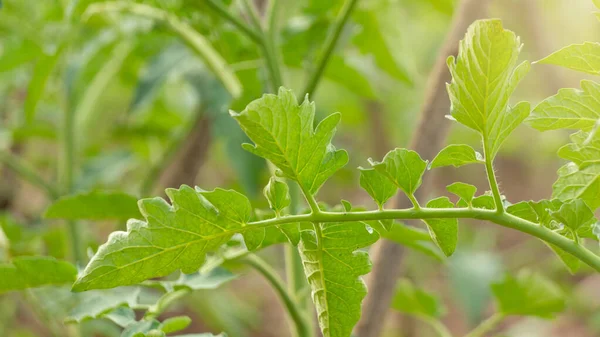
x=194, y=240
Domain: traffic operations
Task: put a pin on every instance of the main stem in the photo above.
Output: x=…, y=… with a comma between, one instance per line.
x=302, y=327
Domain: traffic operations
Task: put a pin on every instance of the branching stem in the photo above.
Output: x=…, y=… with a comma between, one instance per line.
x=502, y=219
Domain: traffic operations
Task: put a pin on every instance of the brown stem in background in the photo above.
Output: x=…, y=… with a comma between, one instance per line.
x=185, y=163
x=427, y=139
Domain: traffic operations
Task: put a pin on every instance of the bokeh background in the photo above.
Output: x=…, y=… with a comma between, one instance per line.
x=147, y=114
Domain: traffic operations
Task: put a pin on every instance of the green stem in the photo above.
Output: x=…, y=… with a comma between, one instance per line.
x=439, y=328
x=486, y=326
x=503, y=219
x=302, y=326
x=28, y=173
x=330, y=45
x=164, y=302
x=226, y=14
x=491, y=175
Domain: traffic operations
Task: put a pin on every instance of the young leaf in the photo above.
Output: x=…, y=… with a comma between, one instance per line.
x=444, y=232
x=579, y=183
x=94, y=205
x=528, y=294
x=35, y=271
x=174, y=324
x=380, y=188
x=574, y=215
x=333, y=268
x=404, y=168
x=283, y=133
x=414, y=301
x=172, y=237
x=278, y=194
x=583, y=57
x=464, y=191
x=568, y=109
x=484, y=76
x=456, y=155
x=585, y=148
x=101, y=303
x=196, y=281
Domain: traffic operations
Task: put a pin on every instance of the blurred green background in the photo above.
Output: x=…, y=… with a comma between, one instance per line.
x=146, y=113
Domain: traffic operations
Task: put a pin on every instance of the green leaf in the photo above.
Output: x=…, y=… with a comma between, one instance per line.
x=103, y=303
x=528, y=294
x=121, y=316
x=283, y=133
x=196, y=281
x=370, y=40
x=456, y=155
x=95, y=205
x=263, y=237
x=412, y=237
x=404, y=168
x=585, y=148
x=414, y=301
x=464, y=191
x=380, y=188
x=140, y=328
x=574, y=214
x=172, y=237
x=277, y=193
x=333, y=267
x=444, y=232
x=174, y=324
x=523, y=210
x=568, y=109
x=484, y=76
x=35, y=271
x=198, y=43
x=44, y=67
x=578, y=183
x=583, y=57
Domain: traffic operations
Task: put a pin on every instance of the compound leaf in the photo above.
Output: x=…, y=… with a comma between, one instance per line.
x=404, y=168
x=568, y=109
x=172, y=237
x=380, y=188
x=456, y=155
x=484, y=76
x=464, y=191
x=583, y=57
x=283, y=133
x=94, y=205
x=528, y=294
x=35, y=271
x=444, y=232
x=333, y=267
x=414, y=301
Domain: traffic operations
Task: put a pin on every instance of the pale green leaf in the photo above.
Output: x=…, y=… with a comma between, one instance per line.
x=278, y=194
x=263, y=237
x=140, y=328
x=568, y=109
x=380, y=188
x=484, y=76
x=103, y=303
x=35, y=271
x=574, y=214
x=94, y=205
x=571, y=262
x=528, y=294
x=404, y=168
x=213, y=60
x=523, y=210
x=585, y=148
x=456, y=155
x=333, y=267
x=414, y=301
x=415, y=238
x=284, y=133
x=172, y=237
x=583, y=57
x=464, y=191
x=444, y=232
x=197, y=281
x=174, y=324
x=484, y=201
x=579, y=183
